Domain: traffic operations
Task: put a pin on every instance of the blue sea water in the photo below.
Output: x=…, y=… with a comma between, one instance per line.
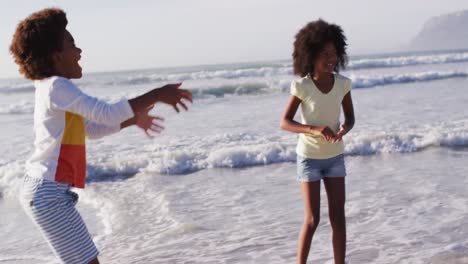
x=218, y=186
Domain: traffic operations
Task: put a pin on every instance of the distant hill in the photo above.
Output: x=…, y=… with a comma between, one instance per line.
x=449, y=31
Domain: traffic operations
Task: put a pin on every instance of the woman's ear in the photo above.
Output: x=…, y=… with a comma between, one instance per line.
x=56, y=59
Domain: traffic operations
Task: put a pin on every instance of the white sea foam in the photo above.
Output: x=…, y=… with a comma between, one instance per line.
x=244, y=150
x=21, y=107
x=207, y=75
x=259, y=87
x=407, y=60
x=212, y=153
x=274, y=72
x=286, y=69
x=260, y=71
x=381, y=80
x=17, y=88
x=10, y=178
x=387, y=142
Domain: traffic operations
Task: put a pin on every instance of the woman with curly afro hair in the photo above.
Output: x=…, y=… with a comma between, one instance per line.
x=319, y=54
x=63, y=116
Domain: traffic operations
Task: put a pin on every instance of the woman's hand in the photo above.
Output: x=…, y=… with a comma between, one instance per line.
x=339, y=136
x=148, y=122
x=171, y=94
x=326, y=132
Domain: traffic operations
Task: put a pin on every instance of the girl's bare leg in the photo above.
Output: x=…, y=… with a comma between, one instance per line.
x=311, y=195
x=94, y=261
x=336, y=202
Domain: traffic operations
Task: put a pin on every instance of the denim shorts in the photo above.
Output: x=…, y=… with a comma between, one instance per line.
x=310, y=170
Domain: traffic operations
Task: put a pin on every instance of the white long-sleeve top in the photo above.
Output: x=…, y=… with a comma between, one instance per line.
x=63, y=116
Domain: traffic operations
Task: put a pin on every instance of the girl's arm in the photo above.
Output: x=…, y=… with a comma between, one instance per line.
x=348, y=111
x=66, y=96
x=169, y=94
x=145, y=121
x=142, y=120
x=288, y=123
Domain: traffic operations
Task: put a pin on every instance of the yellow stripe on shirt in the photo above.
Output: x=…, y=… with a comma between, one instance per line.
x=74, y=133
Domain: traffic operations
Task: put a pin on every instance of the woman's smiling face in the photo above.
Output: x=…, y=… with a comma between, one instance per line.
x=327, y=59
x=66, y=61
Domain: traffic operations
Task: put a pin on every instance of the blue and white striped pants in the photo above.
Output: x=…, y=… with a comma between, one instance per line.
x=51, y=205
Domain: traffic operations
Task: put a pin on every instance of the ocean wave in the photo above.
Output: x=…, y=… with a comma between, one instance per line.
x=286, y=69
x=234, y=156
x=216, y=91
x=245, y=150
x=17, y=88
x=22, y=107
x=247, y=88
x=262, y=73
x=233, y=89
x=387, y=142
x=403, y=61
x=256, y=87
x=240, y=150
x=206, y=75
x=10, y=178
x=381, y=80
x=253, y=154
x=260, y=87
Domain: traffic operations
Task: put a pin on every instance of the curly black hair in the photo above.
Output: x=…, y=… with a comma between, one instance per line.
x=36, y=38
x=310, y=41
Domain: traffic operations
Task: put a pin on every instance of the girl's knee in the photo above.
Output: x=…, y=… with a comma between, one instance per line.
x=338, y=220
x=312, y=220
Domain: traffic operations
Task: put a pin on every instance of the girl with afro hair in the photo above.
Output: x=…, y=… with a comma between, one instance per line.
x=63, y=116
x=321, y=92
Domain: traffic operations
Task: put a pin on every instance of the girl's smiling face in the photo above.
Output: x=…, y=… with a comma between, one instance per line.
x=327, y=59
x=66, y=61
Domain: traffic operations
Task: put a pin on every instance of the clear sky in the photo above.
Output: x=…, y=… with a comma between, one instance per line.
x=118, y=34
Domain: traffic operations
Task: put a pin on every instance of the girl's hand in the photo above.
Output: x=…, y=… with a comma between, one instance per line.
x=172, y=95
x=341, y=133
x=148, y=122
x=327, y=133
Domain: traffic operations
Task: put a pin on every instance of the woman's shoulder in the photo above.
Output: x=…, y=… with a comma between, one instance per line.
x=302, y=81
x=342, y=78
x=59, y=80
x=344, y=82
x=57, y=87
x=51, y=82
